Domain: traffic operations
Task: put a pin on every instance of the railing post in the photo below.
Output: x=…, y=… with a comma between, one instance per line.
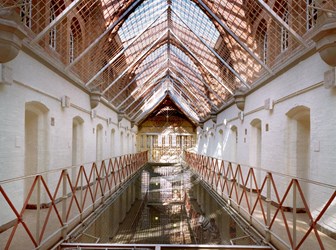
x=294, y=213
x=81, y=169
x=251, y=192
x=238, y=188
x=64, y=204
x=38, y=208
x=268, y=211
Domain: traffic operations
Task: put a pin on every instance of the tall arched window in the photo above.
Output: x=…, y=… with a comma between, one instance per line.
x=311, y=14
x=26, y=12
x=56, y=8
x=284, y=31
x=75, y=39
x=53, y=30
x=262, y=40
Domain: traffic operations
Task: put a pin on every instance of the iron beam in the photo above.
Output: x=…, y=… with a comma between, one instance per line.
x=234, y=36
x=214, y=52
x=96, y=41
x=56, y=21
x=123, y=50
x=198, y=60
x=134, y=62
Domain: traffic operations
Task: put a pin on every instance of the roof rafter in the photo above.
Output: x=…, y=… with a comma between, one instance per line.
x=124, y=49
x=199, y=61
x=202, y=80
x=182, y=109
x=135, y=99
x=140, y=86
x=110, y=27
x=213, y=51
x=137, y=76
x=143, y=54
x=233, y=35
x=145, y=99
x=180, y=81
x=191, y=83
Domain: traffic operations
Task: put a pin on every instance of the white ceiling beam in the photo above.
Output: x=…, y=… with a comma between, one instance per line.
x=135, y=62
x=140, y=86
x=140, y=95
x=145, y=99
x=136, y=77
x=189, y=81
x=177, y=78
x=185, y=103
x=139, y=116
x=196, y=75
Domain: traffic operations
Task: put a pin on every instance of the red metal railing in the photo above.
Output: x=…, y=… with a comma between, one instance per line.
x=54, y=202
x=262, y=201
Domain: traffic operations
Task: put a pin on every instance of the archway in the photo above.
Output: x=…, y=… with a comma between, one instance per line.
x=298, y=141
x=99, y=142
x=112, y=143
x=255, y=147
x=233, y=141
x=36, y=142
x=77, y=143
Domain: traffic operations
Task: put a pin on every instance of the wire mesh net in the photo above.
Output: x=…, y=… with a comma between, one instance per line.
x=214, y=46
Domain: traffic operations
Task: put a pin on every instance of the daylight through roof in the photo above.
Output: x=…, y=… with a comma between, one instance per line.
x=201, y=53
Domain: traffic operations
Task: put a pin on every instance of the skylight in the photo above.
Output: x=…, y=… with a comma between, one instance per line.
x=195, y=18
x=145, y=14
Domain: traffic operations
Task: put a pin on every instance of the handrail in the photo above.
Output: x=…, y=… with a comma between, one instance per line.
x=254, y=196
x=49, y=204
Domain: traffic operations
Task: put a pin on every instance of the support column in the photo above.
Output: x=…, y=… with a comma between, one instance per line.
x=115, y=217
x=124, y=205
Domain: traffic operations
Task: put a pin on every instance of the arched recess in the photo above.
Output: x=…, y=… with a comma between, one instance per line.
x=99, y=142
x=77, y=144
x=255, y=147
x=75, y=39
x=36, y=141
x=77, y=140
x=232, y=144
x=298, y=144
x=121, y=149
x=220, y=144
x=128, y=143
x=112, y=143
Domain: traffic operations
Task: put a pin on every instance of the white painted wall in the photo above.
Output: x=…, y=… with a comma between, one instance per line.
x=35, y=82
x=291, y=89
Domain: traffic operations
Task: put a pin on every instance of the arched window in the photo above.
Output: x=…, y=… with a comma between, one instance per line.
x=311, y=14
x=56, y=8
x=75, y=39
x=284, y=31
x=53, y=30
x=262, y=40
x=26, y=12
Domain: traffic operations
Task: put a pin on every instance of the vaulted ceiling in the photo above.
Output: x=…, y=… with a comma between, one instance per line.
x=197, y=52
